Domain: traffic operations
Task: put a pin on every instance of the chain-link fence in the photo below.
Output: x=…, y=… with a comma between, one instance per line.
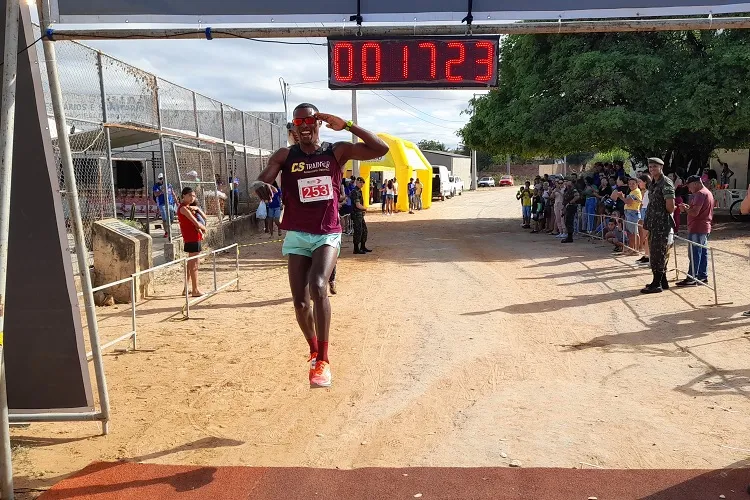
x=126, y=126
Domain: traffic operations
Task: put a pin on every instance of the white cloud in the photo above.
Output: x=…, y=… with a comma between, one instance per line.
x=245, y=74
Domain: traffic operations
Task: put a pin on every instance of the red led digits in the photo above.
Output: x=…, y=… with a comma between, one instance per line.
x=433, y=57
x=406, y=62
x=337, y=50
x=456, y=60
x=365, y=76
x=412, y=62
x=488, y=61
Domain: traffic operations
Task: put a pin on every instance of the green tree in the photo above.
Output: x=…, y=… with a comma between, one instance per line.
x=677, y=95
x=430, y=145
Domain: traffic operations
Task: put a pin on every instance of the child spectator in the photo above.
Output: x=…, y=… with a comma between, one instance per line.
x=616, y=235
x=192, y=235
x=643, y=182
x=525, y=194
x=537, y=210
x=200, y=216
x=633, y=212
x=273, y=215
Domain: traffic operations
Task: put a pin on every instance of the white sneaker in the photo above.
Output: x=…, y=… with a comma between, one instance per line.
x=565, y=235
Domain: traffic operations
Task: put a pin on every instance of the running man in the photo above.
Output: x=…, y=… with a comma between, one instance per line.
x=311, y=174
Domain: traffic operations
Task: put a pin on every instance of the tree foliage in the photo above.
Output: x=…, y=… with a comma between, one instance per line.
x=430, y=145
x=677, y=95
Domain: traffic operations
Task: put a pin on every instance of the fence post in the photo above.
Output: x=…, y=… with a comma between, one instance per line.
x=244, y=151
x=195, y=117
x=237, y=265
x=713, y=274
x=105, y=120
x=676, y=268
x=187, y=293
x=132, y=307
x=213, y=254
x=260, y=144
x=12, y=13
x=226, y=162
x=167, y=223
x=691, y=260
x=66, y=158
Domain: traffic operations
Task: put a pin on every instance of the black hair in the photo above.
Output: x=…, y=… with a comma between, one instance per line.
x=186, y=190
x=645, y=178
x=589, y=180
x=306, y=105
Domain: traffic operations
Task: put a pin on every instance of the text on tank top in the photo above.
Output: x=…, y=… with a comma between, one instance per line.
x=311, y=189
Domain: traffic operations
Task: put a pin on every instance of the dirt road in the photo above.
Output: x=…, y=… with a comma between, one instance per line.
x=462, y=341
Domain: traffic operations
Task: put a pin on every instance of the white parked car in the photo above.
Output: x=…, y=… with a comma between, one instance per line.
x=457, y=185
x=486, y=182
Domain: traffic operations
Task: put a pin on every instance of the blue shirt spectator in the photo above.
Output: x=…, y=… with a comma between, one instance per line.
x=159, y=186
x=276, y=200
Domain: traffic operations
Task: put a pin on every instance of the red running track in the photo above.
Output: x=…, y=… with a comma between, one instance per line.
x=124, y=480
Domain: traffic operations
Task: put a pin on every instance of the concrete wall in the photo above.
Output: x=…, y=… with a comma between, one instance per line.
x=738, y=161
x=462, y=168
x=120, y=251
x=234, y=231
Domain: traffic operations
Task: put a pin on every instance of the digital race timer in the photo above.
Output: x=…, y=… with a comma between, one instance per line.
x=425, y=62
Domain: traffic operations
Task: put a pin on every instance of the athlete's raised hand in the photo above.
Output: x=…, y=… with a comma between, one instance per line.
x=265, y=191
x=332, y=121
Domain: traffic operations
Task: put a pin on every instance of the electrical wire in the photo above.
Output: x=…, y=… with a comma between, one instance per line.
x=305, y=83
x=141, y=36
x=27, y=47
x=431, y=98
x=261, y=40
x=427, y=114
x=412, y=114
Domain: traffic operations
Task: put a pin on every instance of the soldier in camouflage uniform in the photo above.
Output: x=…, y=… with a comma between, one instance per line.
x=660, y=224
x=358, y=218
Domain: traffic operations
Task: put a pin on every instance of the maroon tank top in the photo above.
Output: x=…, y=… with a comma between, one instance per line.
x=311, y=185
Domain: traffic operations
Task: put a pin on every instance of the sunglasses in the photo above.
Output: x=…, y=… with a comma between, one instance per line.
x=309, y=120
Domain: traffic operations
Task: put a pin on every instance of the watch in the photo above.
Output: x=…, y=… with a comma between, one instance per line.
x=349, y=125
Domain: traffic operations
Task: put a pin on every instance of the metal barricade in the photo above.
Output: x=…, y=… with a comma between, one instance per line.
x=600, y=232
x=217, y=288
x=691, y=273
x=347, y=225
x=132, y=334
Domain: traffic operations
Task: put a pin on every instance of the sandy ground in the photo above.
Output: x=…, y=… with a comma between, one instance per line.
x=462, y=341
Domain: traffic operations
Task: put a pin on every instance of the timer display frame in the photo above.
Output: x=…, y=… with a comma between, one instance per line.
x=439, y=62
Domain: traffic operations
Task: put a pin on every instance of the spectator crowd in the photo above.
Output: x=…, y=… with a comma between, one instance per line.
x=638, y=214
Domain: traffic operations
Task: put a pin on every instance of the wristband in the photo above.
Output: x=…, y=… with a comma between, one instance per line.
x=349, y=125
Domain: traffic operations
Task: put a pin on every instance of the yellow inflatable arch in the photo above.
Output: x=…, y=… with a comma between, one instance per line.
x=406, y=160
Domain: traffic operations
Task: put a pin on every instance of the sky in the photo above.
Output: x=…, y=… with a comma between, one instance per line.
x=245, y=74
